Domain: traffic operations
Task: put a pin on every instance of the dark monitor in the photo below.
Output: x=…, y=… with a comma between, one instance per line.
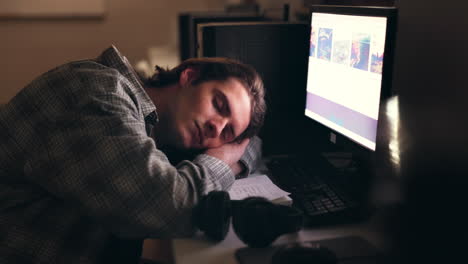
x=350, y=71
x=188, y=27
x=278, y=51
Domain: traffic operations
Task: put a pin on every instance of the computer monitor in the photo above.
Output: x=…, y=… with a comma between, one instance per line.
x=189, y=21
x=278, y=51
x=349, y=69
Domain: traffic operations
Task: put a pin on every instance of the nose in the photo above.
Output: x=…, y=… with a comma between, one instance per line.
x=214, y=127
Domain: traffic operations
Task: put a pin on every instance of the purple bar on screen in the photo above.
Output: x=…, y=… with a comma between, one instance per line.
x=354, y=121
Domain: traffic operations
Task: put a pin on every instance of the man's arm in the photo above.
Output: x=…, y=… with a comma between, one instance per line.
x=97, y=157
x=251, y=159
x=242, y=158
x=230, y=154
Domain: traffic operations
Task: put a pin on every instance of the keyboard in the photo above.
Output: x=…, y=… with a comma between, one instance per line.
x=315, y=189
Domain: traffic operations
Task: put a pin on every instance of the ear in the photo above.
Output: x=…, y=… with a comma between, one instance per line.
x=187, y=76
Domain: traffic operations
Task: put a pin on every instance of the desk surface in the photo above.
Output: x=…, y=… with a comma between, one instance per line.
x=201, y=250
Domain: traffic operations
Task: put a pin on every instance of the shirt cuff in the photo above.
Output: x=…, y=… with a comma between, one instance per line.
x=219, y=175
x=251, y=157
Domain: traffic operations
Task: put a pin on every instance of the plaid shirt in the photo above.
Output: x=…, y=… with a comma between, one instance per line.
x=80, y=179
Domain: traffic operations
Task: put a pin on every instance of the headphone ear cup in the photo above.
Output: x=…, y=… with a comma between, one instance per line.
x=251, y=220
x=212, y=215
x=258, y=222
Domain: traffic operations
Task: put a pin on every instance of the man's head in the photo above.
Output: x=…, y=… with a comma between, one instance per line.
x=218, y=100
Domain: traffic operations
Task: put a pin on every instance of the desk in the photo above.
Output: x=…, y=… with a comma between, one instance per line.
x=200, y=250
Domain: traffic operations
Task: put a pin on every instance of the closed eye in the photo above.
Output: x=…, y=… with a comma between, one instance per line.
x=218, y=104
x=221, y=104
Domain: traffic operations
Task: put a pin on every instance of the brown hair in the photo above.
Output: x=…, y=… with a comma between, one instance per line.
x=220, y=69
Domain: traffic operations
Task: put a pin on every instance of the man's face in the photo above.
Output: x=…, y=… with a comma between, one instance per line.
x=210, y=114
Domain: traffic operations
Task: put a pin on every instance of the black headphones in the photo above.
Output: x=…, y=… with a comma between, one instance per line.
x=256, y=220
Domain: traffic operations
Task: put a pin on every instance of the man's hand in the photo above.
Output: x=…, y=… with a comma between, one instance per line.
x=237, y=168
x=229, y=153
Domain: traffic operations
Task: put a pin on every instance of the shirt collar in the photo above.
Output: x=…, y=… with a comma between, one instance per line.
x=113, y=58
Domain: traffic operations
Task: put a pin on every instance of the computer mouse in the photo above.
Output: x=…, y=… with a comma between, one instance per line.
x=303, y=253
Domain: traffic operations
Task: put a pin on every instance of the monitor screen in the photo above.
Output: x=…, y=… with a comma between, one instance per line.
x=345, y=81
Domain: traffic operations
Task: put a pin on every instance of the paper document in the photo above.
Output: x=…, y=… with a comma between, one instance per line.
x=256, y=185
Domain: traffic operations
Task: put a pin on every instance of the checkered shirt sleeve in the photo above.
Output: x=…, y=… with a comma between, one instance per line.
x=78, y=170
